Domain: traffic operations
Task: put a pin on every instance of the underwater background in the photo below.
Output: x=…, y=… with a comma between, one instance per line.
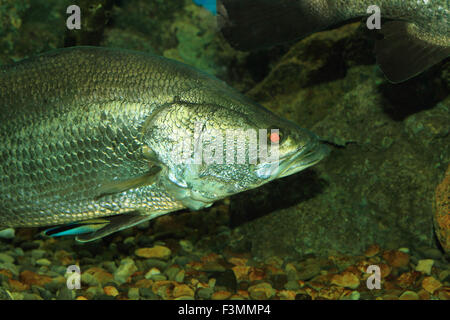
x=379, y=198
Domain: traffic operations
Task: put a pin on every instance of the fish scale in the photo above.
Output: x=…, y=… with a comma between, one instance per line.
x=89, y=134
x=54, y=138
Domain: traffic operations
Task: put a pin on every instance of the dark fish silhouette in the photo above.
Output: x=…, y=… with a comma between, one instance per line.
x=417, y=37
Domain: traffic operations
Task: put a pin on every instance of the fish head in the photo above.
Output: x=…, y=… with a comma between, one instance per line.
x=210, y=151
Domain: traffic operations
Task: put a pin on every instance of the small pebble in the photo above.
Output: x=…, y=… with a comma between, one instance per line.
x=346, y=279
x=372, y=250
x=133, y=294
x=261, y=291
x=100, y=274
x=221, y=295
x=152, y=272
x=89, y=279
x=180, y=276
x=241, y=272
x=148, y=293
x=186, y=245
x=159, y=277
x=126, y=269
x=431, y=284
x=396, y=258
x=159, y=252
x=225, y=281
x=292, y=285
x=172, y=271
x=38, y=254
x=205, y=293
x=182, y=290
x=286, y=295
x=65, y=294
x=111, y=291
x=43, y=262
x=8, y=233
x=444, y=294
x=6, y=258
x=425, y=266
x=16, y=296
x=409, y=295
x=355, y=295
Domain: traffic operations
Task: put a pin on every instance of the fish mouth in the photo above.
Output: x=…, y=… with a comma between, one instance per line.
x=302, y=159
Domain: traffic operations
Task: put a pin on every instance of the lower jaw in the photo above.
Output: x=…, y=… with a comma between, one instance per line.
x=305, y=162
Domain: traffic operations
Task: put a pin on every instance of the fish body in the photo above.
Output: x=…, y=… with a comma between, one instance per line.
x=417, y=37
x=88, y=137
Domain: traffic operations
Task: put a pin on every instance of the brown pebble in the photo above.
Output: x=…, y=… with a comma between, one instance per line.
x=221, y=295
x=286, y=295
x=331, y=293
x=345, y=279
x=390, y=296
x=159, y=252
x=182, y=290
x=29, y=277
x=17, y=285
x=111, y=291
x=243, y=293
x=100, y=274
x=444, y=293
x=6, y=273
x=261, y=291
x=238, y=261
x=407, y=279
x=409, y=295
x=144, y=283
x=385, y=270
x=431, y=284
x=441, y=215
x=212, y=257
x=396, y=258
x=423, y=294
x=256, y=274
x=64, y=257
x=372, y=250
x=241, y=272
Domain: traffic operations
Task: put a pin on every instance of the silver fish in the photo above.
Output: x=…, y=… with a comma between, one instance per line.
x=89, y=138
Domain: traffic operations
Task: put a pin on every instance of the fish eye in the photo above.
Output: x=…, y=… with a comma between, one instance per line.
x=274, y=136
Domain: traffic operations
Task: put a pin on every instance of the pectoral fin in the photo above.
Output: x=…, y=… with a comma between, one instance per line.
x=90, y=230
x=112, y=187
x=405, y=50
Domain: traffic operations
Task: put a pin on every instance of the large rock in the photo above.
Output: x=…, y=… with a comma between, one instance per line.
x=442, y=211
x=390, y=147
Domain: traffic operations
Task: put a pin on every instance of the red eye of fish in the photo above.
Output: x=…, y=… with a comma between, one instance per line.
x=275, y=137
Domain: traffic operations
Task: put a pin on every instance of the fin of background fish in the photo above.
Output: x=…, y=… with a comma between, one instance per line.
x=253, y=24
x=402, y=54
x=94, y=229
x=113, y=187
